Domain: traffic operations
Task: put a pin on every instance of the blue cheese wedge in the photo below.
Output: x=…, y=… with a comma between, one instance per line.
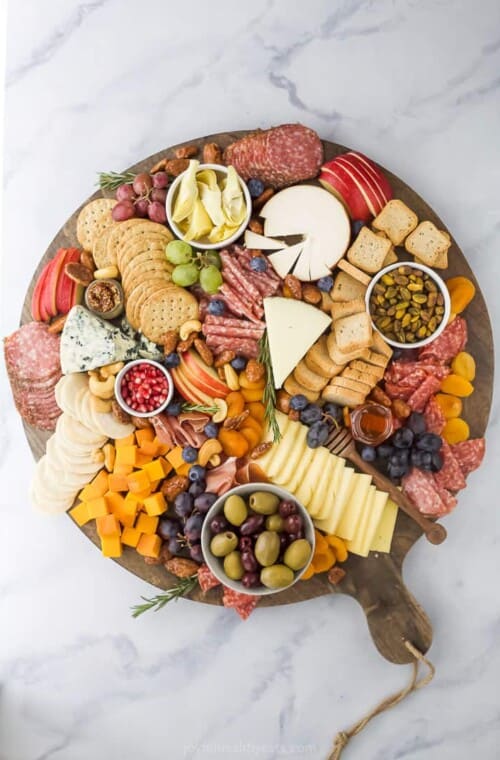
x=88, y=342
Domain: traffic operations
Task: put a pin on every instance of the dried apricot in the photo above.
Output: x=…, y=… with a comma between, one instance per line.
x=338, y=547
x=252, y=394
x=250, y=384
x=257, y=410
x=324, y=561
x=462, y=291
x=457, y=386
x=455, y=431
x=233, y=443
x=321, y=543
x=252, y=436
x=235, y=403
x=451, y=406
x=308, y=573
x=464, y=365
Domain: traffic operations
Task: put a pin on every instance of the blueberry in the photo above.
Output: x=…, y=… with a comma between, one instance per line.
x=385, y=450
x=258, y=264
x=255, y=187
x=312, y=413
x=403, y=438
x=416, y=423
x=426, y=460
x=196, y=473
x=397, y=471
x=369, y=453
x=437, y=461
x=298, y=402
x=211, y=430
x=216, y=307
x=325, y=284
x=428, y=442
x=416, y=457
x=189, y=454
x=172, y=360
x=317, y=434
x=174, y=408
x=357, y=226
x=195, y=489
x=239, y=363
x=399, y=458
x=334, y=411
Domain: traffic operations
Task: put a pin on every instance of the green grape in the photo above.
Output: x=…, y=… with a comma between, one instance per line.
x=178, y=252
x=210, y=279
x=185, y=275
x=212, y=257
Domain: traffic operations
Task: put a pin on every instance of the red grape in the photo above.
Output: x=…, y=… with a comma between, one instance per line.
x=157, y=213
x=142, y=184
x=141, y=208
x=122, y=211
x=125, y=193
x=160, y=179
x=159, y=194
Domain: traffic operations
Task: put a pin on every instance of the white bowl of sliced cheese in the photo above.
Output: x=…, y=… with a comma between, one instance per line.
x=208, y=206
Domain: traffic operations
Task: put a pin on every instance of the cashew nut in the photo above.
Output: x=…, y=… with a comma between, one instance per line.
x=207, y=450
x=96, y=456
x=221, y=413
x=109, y=456
x=191, y=326
x=231, y=377
x=214, y=460
x=111, y=369
x=102, y=388
x=106, y=273
x=99, y=404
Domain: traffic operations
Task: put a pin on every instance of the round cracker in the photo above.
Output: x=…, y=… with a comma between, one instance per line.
x=136, y=227
x=166, y=310
x=99, y=250
x=138, y=245
x=91, y=219
x=138, y=296
x=137, y=273
x=119, y=232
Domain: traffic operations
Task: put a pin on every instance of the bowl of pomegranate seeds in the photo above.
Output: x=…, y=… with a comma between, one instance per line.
x=143, y=388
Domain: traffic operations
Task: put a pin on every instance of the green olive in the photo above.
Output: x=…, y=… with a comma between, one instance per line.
x=235, y=510
x=233, y=567
x=267, y=548
x=298, y=554
x=223, y=543
x=264, y=503
x=274, y=522
x=276, y=576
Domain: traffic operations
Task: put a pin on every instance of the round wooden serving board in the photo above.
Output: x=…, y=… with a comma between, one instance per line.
x=392, y=613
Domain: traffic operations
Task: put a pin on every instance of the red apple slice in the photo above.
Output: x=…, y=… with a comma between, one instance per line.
x=334, y=180
x=202, y=376
x=375, y=172
x=365, y=184
x=188, y=391
x=47, y=307
x=65, y=286
x=37, y=293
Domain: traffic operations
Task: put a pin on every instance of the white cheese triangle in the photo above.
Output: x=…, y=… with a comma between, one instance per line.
x=283, y=261
x=292, y=328
x=253, y=240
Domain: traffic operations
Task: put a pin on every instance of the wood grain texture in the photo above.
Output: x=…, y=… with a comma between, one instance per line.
x=375, y=582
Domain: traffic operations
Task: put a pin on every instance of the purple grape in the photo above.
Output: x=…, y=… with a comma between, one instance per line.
x=196, y=553
x=122, y=211
x=292, y=524
x=175, y=545
x=192, y=528
x=195, y=489
x=204, y=501
x=250, y=580
x=183, y=504
x=287, y=508
x=141, y=208
x=168, y=528
x=159, y=194
x=125, y=193
x=219, y=524
x=157, y=213
x=160, y=179
x=142, y=184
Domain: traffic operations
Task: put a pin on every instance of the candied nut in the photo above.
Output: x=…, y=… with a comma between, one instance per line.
x=255, y=226
x=380, y=397
x=204, y=351
x=294, y=286
x=140, y=422
x=185, y=345
x=294, y=415
x=165, y=553
x=188, y=151
x=311, y=294
x=170, y=340
x=224, y=358
x=336, y=574
x=260, y=450
x=212, y=154
x=189, y=327
x=283, y=401
x=181, y=567
x=263, y=198
x=175, y=166
x=87, y=260
x=221, y=373
x=79, y=273
x=254, y=370
x=120, y=414
x=57, y=324
x=159, y=166
x=152, y=561
x=174, y=486
x=400, y=409
x=233, y=423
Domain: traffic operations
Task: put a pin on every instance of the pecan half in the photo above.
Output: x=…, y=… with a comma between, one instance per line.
x=80, y=274
x=87, y=260
x=335, y=575
x=175, y=166
x=311, y=294
x=165, y=553
x=174, y=486
x=263, y=198
x=283, y=401
x=224, y=358
x=294, y=286
x=153, y=561
x=184, y=345
x=181, y=567
x=57, y=324
x=254, y=370
x=255, y=226
x=380, y=397
x=212, y=154
x=170, y=340
x=233, y=423
x=204, y=351
x=188, y=151
x=400, y=408
x=118, y=413
x=260, y=450
x=294, y=415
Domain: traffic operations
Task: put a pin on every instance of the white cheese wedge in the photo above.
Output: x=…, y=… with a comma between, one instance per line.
x=292, y=327
x=385, y=529
x=339, y=504
x=253, y=240
x=350, y=519
x=317, y=215
x=283, y=261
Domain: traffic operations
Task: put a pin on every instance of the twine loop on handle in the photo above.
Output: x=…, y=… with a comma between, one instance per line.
x=343, y=737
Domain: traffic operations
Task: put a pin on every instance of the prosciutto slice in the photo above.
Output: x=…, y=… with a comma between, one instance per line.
x=221, y=479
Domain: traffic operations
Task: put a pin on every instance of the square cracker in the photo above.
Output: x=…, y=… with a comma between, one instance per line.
x=369, y=251
x=429, y=245
x=396, y=220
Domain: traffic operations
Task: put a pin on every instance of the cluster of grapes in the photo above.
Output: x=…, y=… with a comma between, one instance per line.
x=144, y=197
x=192, y=267
x=319, y=419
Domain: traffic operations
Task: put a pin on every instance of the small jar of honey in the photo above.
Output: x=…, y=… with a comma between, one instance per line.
x=371, y=424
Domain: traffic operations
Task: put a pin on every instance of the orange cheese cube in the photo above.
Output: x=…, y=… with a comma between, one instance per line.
x=149, y=448
x=141, y=459
x=163, y=448
x=143, y=435
x=97, y=507
x=107, y=526
x=111, y=546
x=138, y=481
x=147, y=524
x=128, y=440
x=126, y=455
x=155, y=504
x=80, y=513
x=131, y=536
x=184, y=468
x=97, y=487
x=122, y=469
x=167, y=467
x=141, y=495
x=114, y=501
x=149, y=546
x=154, y=485
x=154, y=470
x=127, y=512
x=117, y=482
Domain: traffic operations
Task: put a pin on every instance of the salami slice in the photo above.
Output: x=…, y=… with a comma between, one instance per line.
x=207, y=579
x=244, y=604
x=394, y=391
x=405, y=372
x=32, y=352
x=421, y=395
x=230, y=266
x=246, y=347
x=421, y=489
x=236, y=304
x=450, y=476
x=449, y=501
x=469, y=454
x=451, y=341
x=212, y=321
x=434, y=417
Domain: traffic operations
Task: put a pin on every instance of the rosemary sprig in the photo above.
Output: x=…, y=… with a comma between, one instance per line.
x=200, y=408
x=269, y=397
x=112, y=180
x=183, y=587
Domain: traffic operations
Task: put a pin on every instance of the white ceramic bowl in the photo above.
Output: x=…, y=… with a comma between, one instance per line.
x=441, y=288
x=204, y=244
x=216, y=564
x=123, y=403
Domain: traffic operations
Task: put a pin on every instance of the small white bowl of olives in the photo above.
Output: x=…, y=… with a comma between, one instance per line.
x=257, y=539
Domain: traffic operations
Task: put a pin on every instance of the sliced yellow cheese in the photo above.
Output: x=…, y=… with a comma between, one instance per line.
x=296, y=454
x=320, y=502
x=377, y=510
x=350, y=519
x=305, y=491
x=357, y=544
x=339, y=502
x=283, y=451
x=385, y=529
x=283, y=422
x=300, y=471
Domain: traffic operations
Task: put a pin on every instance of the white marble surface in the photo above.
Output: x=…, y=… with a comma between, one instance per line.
x=97, y=85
